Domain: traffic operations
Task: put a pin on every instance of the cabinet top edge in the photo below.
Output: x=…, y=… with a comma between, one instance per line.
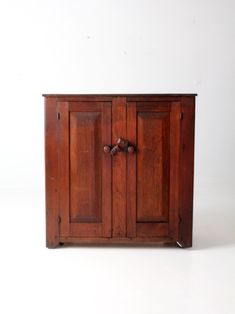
x=120, y=95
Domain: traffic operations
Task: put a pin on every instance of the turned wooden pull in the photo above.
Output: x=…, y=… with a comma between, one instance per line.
x=107, y=149
x=122, y=146
x=131, y=149
x=115, y=150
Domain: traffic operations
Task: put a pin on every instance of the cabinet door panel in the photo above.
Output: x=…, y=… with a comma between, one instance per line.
x=88, y=210
x=85, y=167
x=152, y=166
x=152, y=229
x=149, y=193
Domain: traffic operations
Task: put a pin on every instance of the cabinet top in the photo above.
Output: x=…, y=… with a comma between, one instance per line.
x=119, y=95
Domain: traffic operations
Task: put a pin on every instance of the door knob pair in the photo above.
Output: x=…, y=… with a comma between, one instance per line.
x=121, y=146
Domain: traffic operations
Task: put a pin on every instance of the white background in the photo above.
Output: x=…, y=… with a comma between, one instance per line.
x=121, y=46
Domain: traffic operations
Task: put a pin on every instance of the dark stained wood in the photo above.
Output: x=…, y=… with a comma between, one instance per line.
x=86, y=229
x=63, y=167
x=131, y=171
x=140, y=194
x=119, y=241
x=149, y=106
x=85, y=204
x=152, y=229
x=85, y=106
x=186, y=171
x=167, y=140
x=121, y=95
x=148, y=169
x=119, y=169
x=106, y=171
x=152, y=166
x=175, y=123
x=51, y=178
x=110, y=97
x=85, y=167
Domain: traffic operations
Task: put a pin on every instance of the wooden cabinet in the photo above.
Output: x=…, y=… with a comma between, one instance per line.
x=119, y=169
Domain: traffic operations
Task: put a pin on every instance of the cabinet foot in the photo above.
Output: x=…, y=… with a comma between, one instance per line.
x=52, y=245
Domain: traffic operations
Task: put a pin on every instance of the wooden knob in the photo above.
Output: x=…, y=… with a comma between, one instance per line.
x=130, y=149
x=122, y=143
x=107, y=149
x=115, y=150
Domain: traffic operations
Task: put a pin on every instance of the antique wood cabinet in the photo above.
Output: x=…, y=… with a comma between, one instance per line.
x=119, y=169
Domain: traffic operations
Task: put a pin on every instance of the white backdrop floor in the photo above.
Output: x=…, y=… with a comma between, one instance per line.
x=114, y=280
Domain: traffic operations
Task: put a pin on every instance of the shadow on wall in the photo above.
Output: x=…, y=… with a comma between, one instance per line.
x=214, y=226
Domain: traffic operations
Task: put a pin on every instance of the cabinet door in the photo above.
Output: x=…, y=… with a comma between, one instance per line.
x=152, y=175
x=85, y=170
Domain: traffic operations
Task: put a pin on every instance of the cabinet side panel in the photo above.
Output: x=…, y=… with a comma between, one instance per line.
x=63, y=167
x=51, y=173
x=186, y=171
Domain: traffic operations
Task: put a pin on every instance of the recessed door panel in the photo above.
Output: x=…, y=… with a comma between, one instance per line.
x=152, y=128
x=88, y=210
x=85, y=167
x=152, y=166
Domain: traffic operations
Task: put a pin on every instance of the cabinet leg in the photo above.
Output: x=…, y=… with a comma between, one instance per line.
x=52, y=245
